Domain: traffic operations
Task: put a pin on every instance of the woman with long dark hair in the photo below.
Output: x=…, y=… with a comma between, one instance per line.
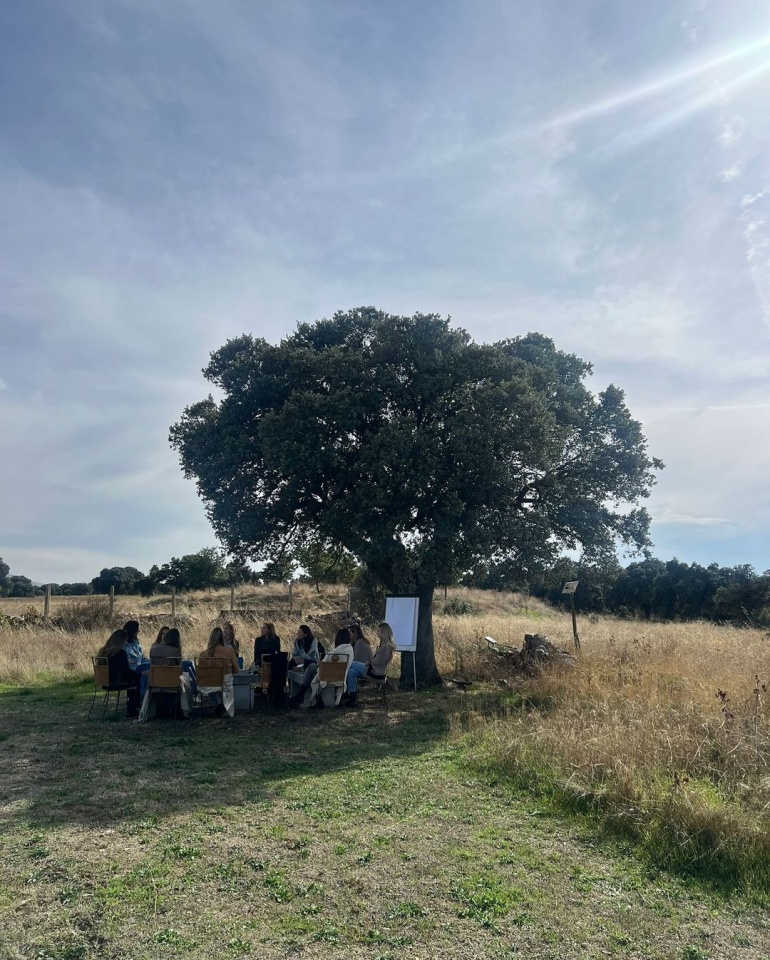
x=168, y=647
x=304, y=657
x=121, y=674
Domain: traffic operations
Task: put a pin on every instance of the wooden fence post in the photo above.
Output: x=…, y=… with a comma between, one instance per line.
x=290, y=596
x=47, y=602
x=232, y=597
x=173, y=601
x=112, y=600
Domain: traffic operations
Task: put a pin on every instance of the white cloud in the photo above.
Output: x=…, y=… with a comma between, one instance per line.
x=731, y=173
x=731, y=131
x=686, y=519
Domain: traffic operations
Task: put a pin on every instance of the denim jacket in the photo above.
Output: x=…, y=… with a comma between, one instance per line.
x=134, y=653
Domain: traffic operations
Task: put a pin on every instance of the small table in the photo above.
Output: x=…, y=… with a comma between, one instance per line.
x=243, y=689
x=295, y=678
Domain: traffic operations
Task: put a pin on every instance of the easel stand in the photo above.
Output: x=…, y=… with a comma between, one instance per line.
x=575, y=637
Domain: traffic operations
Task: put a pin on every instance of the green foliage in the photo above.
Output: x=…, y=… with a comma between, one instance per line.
x=194, y=571
x=278, y=570
x=367, y=595
x=21, y=587
x=484, y=898
x=325, y=562
x=419, y=451
x=654, y=589
x=75, y=589
x=123, y=579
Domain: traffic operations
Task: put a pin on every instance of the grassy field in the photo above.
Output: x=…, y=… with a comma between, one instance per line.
x=618, y=808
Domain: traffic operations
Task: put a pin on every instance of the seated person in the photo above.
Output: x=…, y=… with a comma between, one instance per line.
x=228, y=633
x=167, y=646
x=342, y=648
x=121, y=674
x=224, y=698
x=304, y=657
x=133, y=647
x=266, y=643
x=362, y=650
x=376, y=668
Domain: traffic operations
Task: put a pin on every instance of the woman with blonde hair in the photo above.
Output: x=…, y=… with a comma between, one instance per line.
x=217, y=648
x=228, y=634
x=376, y=668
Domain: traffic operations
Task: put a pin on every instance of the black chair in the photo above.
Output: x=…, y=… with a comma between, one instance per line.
x=102, y=682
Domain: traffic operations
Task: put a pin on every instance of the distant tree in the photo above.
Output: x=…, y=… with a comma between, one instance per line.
x=76, y=589
x=203, y=570
x=237, y=573
x=418, y=450
x=632, y=591
x=743, y=598
x=278, y=570
x=124, y=580
x=146, y=586
x=325, y=562
x=22, y=587
x=4, y=571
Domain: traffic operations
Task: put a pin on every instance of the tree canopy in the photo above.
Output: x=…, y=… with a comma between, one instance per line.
x=416, y=449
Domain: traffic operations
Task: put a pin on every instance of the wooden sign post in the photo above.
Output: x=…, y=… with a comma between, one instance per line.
x=570, y=587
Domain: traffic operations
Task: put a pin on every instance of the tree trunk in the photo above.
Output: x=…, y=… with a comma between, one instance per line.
x=427, y=671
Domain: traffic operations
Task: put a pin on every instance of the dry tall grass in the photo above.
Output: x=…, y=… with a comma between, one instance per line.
x=664, y=728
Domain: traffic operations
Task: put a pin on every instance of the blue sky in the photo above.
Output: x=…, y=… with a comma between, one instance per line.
x=176, y=173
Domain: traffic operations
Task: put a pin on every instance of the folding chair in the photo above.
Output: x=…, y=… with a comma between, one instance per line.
x=101, y=667
x=380, y=687
x=210, y=672
x=164, y=678
x=332, y=673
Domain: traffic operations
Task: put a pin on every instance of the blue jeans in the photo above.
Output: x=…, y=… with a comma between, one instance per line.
x=357, y=669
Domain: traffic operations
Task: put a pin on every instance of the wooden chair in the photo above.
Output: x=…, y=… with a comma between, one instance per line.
x=266, y=674
x=210, y=672
x=332, y=673
x=101, y=667
x=164, y=678
x=164, y=675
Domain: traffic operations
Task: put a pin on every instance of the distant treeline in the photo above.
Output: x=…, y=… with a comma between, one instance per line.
x=205, y=570
x=649, y=589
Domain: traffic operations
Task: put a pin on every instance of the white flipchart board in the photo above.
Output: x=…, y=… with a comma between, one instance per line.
x=401, y=613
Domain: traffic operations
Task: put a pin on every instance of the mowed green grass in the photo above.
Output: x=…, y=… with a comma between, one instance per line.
x=332, y=834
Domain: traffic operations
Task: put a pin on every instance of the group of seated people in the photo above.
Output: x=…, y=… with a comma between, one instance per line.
x=350, y=643
x=128, y=667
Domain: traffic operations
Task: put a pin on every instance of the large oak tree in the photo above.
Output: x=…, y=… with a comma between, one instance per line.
x=416, y=449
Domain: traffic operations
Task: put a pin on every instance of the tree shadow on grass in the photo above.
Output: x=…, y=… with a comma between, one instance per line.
x=61, y=768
